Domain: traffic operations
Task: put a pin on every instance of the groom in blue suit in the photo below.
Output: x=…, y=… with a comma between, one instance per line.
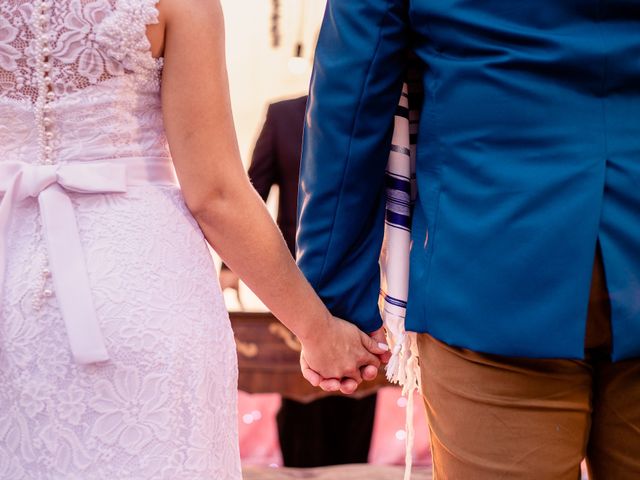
x=525, y=260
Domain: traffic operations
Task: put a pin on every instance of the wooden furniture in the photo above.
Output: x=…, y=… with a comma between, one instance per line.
x=269, y=359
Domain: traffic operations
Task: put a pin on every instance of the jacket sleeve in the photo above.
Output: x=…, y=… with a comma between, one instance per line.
x=356, y=85
x=263, y=168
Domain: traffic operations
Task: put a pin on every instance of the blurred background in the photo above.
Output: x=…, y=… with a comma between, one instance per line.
x=262, y=56
x=270, y=46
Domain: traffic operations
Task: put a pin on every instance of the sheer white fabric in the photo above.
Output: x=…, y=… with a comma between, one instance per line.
x=78, y=84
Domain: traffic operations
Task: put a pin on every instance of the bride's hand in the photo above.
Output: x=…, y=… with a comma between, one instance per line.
x=333, y=357
x=346, y=386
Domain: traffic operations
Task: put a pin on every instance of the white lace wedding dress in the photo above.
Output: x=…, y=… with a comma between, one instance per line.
x=117, y=360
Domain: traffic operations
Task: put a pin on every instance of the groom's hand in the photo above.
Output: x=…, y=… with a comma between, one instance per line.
x=381, y=338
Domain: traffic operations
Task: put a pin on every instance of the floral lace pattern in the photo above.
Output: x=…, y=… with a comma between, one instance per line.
x=91, y=41
x=164, y=405
x=79, y=45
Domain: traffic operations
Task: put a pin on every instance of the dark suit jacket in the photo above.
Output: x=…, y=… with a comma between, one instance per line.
x=276, y=160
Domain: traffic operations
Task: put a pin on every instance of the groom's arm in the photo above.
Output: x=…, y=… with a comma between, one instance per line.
x=356, y=85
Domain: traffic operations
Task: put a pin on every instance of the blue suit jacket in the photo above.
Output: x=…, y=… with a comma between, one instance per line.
x=528, y=155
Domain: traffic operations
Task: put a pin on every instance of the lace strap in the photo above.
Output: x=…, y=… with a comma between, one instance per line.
x=124, y=34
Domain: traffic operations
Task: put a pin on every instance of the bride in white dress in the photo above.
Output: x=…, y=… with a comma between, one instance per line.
x=117, y=360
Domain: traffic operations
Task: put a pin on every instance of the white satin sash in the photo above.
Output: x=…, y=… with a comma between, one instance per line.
x=50, y=184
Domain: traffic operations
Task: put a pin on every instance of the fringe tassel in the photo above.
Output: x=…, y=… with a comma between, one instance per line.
x=404, y=369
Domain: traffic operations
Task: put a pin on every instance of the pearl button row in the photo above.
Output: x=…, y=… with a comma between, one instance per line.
x=41, y=18
x=43, y=292
x=43, y=70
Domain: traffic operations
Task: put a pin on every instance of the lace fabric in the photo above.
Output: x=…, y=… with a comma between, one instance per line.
x=78, y=84
x=89, y=41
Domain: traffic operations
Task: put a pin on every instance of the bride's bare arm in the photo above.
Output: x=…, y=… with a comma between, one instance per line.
x=216, y=189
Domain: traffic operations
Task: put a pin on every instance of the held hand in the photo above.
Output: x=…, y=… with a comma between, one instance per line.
x=380, y=337
x=346, y=386
x=342, y=358
x=369, y=372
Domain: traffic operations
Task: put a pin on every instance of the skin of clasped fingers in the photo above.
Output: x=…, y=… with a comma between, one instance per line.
x=369, y=373
x=345, y=386
x=331, y=385
x=348, y=386
x=312, y=377
x=328, y=385
x=340, y=351
x=316, y=380
x=381, y=339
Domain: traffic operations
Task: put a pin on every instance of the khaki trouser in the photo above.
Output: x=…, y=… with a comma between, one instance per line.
x=493, y=417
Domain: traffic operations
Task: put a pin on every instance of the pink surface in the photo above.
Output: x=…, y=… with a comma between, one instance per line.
x=259, y=439
x=258, y=434
x=388, y=442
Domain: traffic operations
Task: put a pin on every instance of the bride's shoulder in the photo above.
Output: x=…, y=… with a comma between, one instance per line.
x=190, y=27
x=194, y=11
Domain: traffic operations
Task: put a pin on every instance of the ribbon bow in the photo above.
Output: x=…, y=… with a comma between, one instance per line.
x=50, y=185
